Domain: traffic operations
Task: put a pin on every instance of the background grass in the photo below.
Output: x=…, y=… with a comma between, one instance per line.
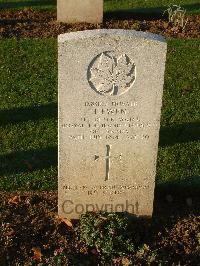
x=150, y=6
x=28, y=104
x=35, y=4
x=179, y=153
x=28, y=115
x=146, y=6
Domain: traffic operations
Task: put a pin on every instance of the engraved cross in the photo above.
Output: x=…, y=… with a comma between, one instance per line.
x=107, y=158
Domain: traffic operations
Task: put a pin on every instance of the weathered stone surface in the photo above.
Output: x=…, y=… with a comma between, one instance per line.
x=72, y=11
x=110, y=96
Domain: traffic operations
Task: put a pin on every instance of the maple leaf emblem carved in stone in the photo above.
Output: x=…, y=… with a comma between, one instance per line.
x=109, y=74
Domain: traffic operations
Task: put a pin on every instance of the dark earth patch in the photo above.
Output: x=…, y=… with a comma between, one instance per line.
x=32, y=233
x=28, y=23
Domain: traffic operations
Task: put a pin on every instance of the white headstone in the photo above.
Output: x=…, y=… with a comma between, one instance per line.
x=72, y=11
x=110, y=96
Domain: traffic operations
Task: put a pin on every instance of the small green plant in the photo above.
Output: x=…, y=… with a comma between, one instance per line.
x=176, y=16
x=107, y=232
x=198, y=238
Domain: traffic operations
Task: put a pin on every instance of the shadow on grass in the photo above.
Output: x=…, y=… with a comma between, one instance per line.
x=179, y=134
x=184, y=197
x=168, y=135
x=25, y=4
x=33, y=113
x=146, y=13
x=23, y=161
x=28, y=161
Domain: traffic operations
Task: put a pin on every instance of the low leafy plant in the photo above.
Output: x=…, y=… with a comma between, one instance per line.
x=198, y=238
x=107, y=232
x=176, y=16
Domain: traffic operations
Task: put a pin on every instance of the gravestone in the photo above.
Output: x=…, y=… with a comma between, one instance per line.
x=110, y=96
x=72, y=11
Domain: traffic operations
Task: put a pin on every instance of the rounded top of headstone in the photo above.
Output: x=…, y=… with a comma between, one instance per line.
x=115, y=32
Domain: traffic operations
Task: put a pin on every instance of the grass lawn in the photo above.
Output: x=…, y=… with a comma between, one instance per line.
x=150, y=6
x=28, y=115
x=20, y=4
x=192, y=6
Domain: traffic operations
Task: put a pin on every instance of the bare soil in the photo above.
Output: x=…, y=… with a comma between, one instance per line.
x=28, y=23
x=32, y=234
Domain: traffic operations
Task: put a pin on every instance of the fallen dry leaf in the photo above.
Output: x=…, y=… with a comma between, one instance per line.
x=15, y=200
x=10, y=232
x=66, y=221
x=126, y=262
x=122, y=261
x=37, y=253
